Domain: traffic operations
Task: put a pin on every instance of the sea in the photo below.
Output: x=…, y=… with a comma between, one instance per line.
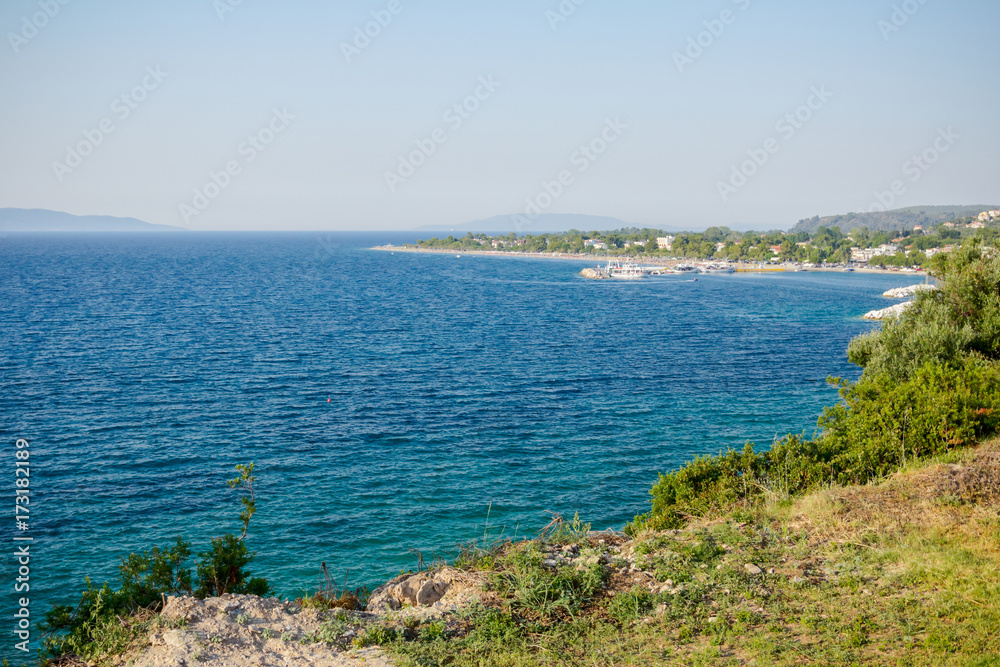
x=395, y=405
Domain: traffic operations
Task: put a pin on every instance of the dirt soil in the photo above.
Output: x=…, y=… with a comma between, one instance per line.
x=243, y=630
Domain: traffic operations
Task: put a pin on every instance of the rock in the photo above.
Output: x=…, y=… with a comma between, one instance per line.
x=176, y=639
x=798, y=580
x=903, y=292
x=431, y=592
x=888, y=313
x=753, y=569
x=594, y=274
x=434, y=592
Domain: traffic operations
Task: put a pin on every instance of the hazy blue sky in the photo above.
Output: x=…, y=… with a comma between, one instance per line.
x=924, y=80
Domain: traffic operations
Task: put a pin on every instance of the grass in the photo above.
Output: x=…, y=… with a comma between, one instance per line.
x=904, y=572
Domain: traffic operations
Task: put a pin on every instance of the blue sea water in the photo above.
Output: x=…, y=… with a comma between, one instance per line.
x=389, y=401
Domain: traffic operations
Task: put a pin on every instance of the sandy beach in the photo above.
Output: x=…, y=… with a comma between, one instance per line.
x=740, y=267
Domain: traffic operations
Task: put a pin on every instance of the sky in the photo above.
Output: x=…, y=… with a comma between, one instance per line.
x=394, y=114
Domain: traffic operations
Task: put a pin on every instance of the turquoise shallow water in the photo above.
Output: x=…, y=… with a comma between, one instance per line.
x=387, y=400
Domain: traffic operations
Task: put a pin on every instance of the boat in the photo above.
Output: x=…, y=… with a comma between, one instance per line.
x=716, y=268
x=626, y=271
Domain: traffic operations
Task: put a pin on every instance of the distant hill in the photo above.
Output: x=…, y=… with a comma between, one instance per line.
x=41, y=220
x=903, y=218
x=549, y=223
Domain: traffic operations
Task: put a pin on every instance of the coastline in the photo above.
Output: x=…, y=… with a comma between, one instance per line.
x=740, y=267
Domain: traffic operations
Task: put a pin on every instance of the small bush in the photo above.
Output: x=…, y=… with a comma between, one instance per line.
x=92, y=628
x=104, y=624
x=223, y=570
x=931, y=383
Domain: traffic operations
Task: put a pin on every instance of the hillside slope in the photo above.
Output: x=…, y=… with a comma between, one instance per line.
x=20, y=220
x=899, y=219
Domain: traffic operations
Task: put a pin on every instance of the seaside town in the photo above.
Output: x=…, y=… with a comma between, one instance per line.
x=824, y=246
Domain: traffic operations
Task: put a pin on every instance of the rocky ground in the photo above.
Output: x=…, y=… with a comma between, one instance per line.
x=244, y=630
x=241, y=630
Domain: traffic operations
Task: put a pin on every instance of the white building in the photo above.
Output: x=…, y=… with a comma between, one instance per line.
x=665, y=243
x=868, y=254
x=934, y=251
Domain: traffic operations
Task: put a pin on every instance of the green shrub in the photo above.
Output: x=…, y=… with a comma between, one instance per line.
x=106, y=622
x=709, y=485
x=931, y=383
x=223, y=570
x=92, y=628
x=884, y=423
x=146, y=577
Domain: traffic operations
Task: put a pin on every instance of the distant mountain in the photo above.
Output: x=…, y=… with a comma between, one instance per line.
x=41, y=220
x=903, y=218
x=548, y=223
